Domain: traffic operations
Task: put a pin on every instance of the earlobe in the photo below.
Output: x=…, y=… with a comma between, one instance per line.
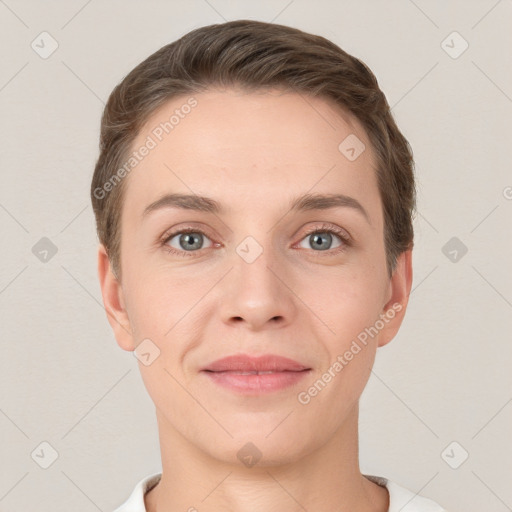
x=400, y=289
x=113, y=301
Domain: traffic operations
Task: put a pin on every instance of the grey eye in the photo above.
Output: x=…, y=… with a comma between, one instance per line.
x=189, y=241
x=321, y=240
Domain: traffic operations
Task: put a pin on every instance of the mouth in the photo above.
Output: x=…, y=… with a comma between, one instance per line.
x=239, y=372
x=250, y=364
x=255, y=375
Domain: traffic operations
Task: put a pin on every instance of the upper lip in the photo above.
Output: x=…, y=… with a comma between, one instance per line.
x=263, y=363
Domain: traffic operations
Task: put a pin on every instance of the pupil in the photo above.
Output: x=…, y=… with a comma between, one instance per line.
x=318, y=240
x=190, y=240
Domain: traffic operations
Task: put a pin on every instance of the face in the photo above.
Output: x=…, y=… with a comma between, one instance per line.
x=262, y=273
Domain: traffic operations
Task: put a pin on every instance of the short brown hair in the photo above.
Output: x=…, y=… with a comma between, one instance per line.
x=254, y=55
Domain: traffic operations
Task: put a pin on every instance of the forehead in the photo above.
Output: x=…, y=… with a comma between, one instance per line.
x=249, y=146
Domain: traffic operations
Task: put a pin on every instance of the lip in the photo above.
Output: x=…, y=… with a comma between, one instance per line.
x=264, y=363
x=255, y=375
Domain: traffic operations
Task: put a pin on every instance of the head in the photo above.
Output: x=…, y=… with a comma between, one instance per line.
x=252, y=116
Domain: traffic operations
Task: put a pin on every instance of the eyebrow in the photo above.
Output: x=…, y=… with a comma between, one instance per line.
x=305, y=202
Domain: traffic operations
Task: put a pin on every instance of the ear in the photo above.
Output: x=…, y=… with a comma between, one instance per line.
x=398, y=296
x=113, y=300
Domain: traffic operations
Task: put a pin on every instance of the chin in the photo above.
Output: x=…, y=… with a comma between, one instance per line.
x=255, y=448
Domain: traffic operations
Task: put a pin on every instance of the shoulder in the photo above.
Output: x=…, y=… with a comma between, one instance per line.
x=135, y=503
x=402, y=499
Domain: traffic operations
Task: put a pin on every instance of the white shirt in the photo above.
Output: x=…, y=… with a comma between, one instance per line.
x=400, y=498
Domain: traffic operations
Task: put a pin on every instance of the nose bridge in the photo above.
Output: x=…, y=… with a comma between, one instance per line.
x=253, y=261
x=254, y=292
x=250, y=250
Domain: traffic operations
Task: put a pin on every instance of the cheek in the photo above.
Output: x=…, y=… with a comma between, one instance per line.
x=346, y=301
x=160, y=303
x=349, y=310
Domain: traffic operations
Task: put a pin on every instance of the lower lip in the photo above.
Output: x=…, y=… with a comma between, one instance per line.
x=256, y=384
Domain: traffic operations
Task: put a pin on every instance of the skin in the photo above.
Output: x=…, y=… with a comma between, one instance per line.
x=254, y=152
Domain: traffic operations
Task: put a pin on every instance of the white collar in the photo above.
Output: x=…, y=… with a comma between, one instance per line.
x=400, y=498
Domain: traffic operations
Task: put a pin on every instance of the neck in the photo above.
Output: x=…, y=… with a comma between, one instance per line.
x=327, y=478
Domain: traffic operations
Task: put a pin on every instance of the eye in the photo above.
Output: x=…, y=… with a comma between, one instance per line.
x=321, y=239
x=187, y=240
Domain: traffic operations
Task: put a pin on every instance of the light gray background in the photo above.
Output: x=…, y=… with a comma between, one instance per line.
x=445, y=377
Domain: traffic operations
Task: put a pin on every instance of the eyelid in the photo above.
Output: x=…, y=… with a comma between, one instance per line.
x=346, y=240
x=187, y=228
x=342, y=234
x=173, y=232
x=327, y=226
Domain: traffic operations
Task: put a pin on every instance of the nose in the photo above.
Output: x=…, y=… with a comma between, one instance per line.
x=256, y=293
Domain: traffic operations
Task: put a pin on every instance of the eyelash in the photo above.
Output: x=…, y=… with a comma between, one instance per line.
x=325, y=228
